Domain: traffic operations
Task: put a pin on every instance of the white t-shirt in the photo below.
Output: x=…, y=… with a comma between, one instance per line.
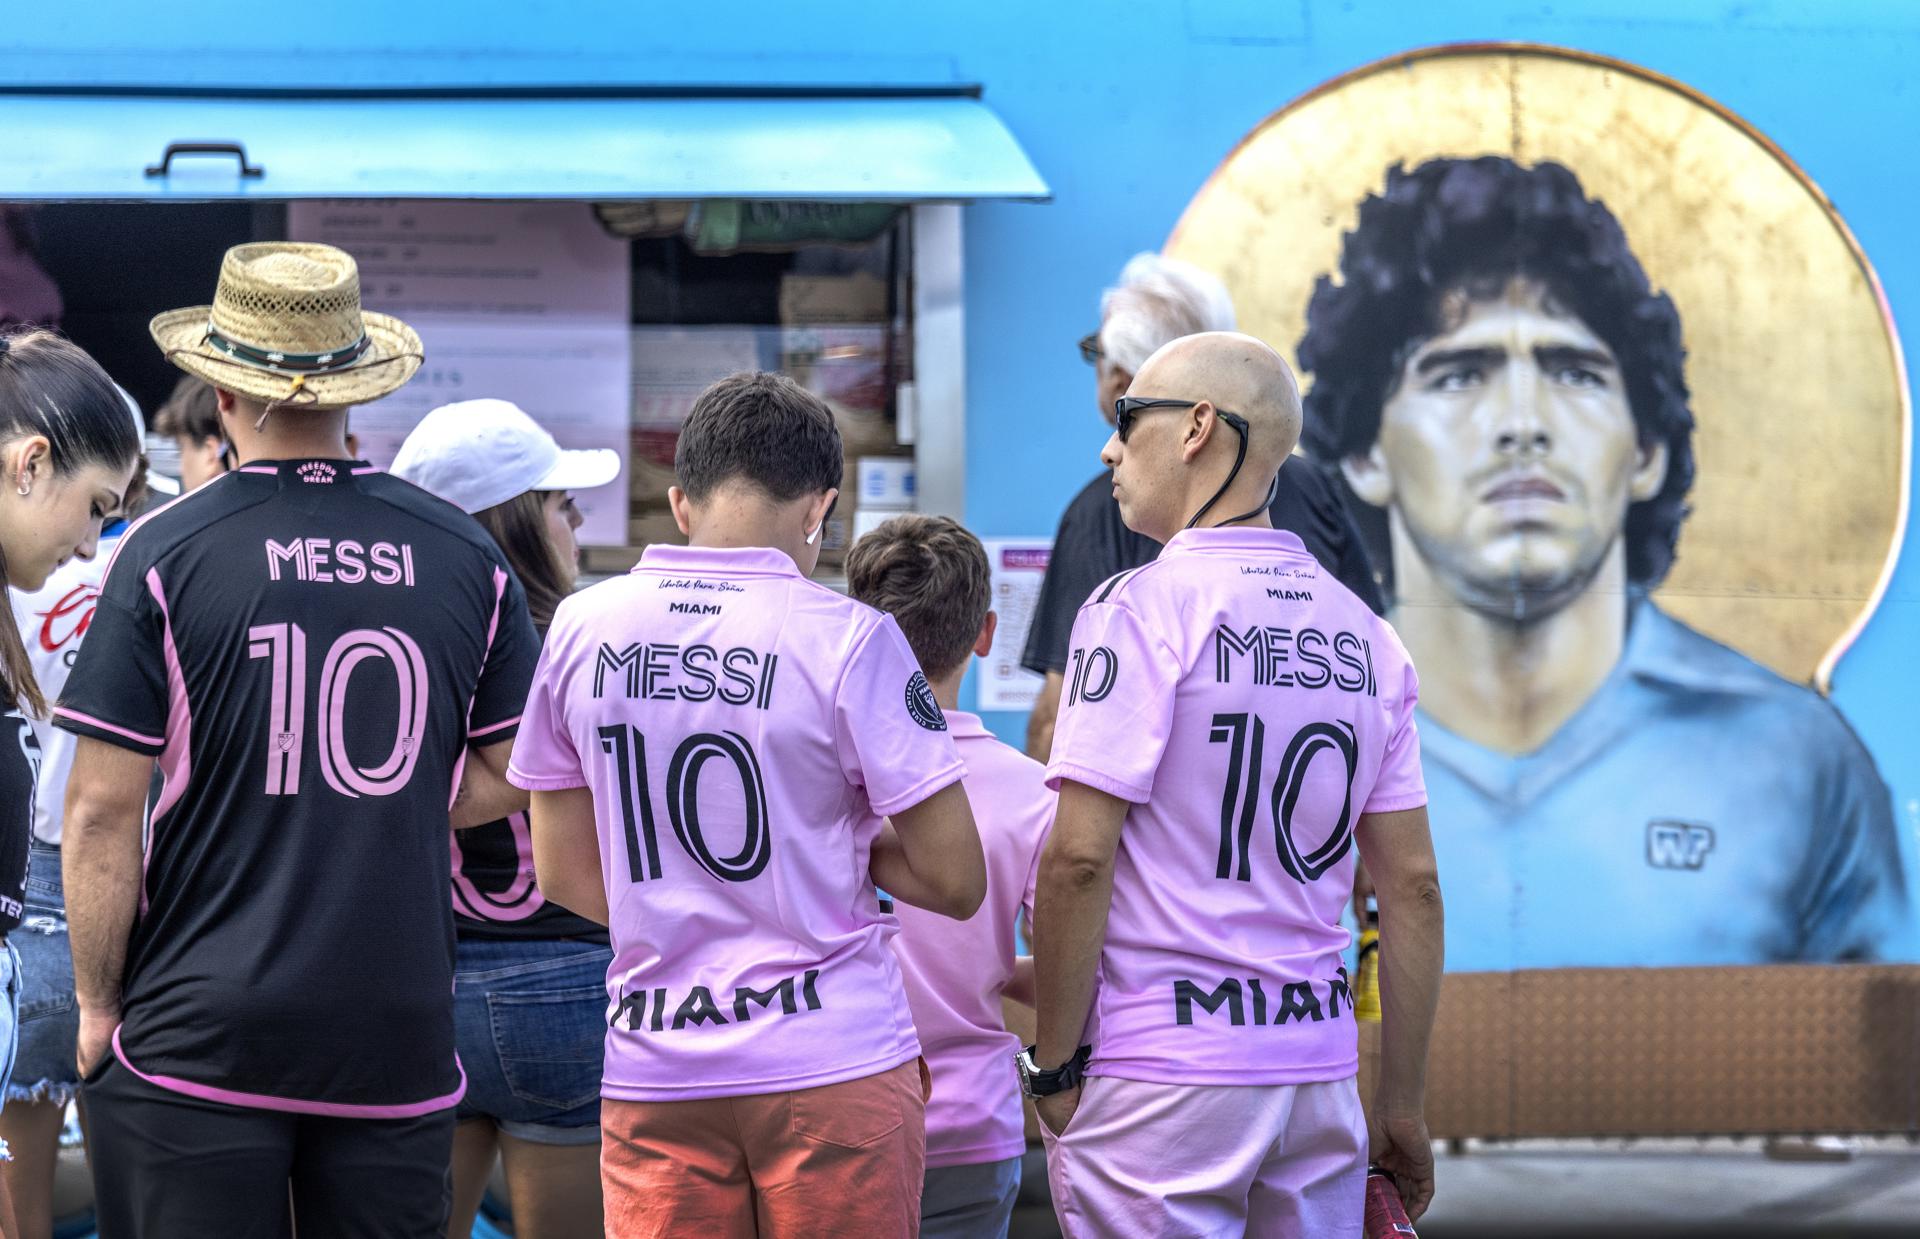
x=52, y=621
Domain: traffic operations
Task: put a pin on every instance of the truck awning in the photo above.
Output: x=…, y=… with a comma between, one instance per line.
x=880, y=148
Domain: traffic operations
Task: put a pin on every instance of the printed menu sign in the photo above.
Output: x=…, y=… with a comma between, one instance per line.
x=1017, y=566
x=527, y=302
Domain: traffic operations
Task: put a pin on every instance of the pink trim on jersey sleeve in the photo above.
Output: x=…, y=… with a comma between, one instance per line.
x=176, y=760
x=493, y=630
x=295, y=1105
x=103, y=725
x=502, y=725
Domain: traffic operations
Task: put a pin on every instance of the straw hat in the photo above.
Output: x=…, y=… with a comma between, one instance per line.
x=286, y=326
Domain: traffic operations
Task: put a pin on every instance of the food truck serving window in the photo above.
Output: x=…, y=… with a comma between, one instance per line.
x=598, y=261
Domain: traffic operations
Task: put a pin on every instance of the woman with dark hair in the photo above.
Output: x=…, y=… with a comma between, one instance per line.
x=68, y=451
x=530, y=977
x=53, y=621
x=67, y=455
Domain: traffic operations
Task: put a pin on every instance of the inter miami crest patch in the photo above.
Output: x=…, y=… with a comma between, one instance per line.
x=920, y=704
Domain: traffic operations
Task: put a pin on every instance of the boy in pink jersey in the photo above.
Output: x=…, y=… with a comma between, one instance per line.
x=711, y=743
x=931, y=575
x=1236, y=721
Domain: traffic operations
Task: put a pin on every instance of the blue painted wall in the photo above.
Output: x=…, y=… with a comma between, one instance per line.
x=1126, y=106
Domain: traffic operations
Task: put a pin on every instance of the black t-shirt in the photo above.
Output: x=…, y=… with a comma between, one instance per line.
x=308, y=647
x=19, y=771
x=1094, y=544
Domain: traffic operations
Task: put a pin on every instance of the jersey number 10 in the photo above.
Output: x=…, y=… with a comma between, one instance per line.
x=1247, y=736
x=628, y=748
x=286, y=646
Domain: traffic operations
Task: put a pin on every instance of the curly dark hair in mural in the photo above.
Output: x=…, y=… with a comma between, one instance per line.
x=1473, y=225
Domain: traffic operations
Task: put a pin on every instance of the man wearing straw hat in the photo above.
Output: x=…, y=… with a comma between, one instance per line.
x=320, y=657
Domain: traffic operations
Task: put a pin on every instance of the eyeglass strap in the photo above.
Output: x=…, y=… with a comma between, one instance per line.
x=1273, y=493
x=1239, y=458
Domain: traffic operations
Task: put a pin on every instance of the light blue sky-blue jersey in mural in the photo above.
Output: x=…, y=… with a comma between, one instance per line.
x=1699, y=809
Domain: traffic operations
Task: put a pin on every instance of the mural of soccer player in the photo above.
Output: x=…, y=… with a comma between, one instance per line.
x=1506, y=394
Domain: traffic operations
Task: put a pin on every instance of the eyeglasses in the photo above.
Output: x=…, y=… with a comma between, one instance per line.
x=1126, y=408
x=1090, y=350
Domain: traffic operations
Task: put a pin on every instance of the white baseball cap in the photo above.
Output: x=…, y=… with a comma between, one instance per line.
x=478, y=453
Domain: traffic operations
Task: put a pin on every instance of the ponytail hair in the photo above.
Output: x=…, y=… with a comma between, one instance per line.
x=49, y=387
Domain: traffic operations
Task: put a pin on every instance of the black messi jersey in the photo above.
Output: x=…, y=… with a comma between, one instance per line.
x=19, y=772
x=494, y=894
x=307, y=647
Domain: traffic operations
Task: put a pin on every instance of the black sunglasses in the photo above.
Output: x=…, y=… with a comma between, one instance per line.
x=1126, y=408
x=1090, y=350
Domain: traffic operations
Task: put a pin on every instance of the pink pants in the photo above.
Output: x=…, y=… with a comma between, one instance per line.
x=1148, y=1160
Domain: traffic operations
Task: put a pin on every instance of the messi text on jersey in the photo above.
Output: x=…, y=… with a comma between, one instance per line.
x=345, y=562
x=1295, y=657
x=658, y=671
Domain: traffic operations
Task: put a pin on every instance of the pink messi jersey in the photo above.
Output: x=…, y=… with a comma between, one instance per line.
x=955, y=970
x=1251, y=709
x=743, y=731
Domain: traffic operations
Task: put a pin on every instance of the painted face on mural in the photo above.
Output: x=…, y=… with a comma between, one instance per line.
x=1508, y=453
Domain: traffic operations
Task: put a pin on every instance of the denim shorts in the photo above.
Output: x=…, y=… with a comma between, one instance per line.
x=49, y=1017
x=530, y=1021
x=9, y=1024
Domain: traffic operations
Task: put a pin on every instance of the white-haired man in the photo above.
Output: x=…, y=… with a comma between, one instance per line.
x=1156, y=301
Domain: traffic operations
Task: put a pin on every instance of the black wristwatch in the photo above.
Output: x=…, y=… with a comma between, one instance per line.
x=1035, y=1082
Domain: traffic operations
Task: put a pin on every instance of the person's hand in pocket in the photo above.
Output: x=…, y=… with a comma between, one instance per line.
x=1057, y=1111
x=96, y=1038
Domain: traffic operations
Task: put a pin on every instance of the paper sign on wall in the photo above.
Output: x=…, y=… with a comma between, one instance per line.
x=527, y=302
x=1016, y=567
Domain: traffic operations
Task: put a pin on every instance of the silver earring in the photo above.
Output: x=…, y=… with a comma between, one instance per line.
x=26, y=488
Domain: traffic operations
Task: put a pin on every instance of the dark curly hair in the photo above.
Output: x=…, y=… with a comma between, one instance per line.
x=1473, y=225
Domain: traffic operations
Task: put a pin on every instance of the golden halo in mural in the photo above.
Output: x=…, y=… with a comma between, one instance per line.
x=1798, y=386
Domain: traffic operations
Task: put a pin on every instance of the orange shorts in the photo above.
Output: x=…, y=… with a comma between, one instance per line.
x=842, y=1159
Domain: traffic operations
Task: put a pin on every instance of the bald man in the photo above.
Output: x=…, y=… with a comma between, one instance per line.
x=1236, y=723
